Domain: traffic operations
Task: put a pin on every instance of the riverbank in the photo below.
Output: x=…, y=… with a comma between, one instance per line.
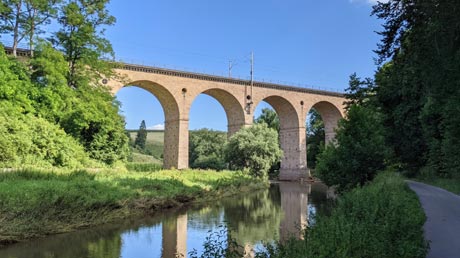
x=382, y=219
x=35, y=203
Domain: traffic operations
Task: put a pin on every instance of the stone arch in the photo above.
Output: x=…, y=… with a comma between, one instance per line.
x=164, y=96
x=232, y=107
x=331, y=116
x=292, y=138
x=172, y=149
x=287, y=114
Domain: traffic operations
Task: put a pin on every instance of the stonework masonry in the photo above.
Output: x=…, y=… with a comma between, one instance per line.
x=176, y=91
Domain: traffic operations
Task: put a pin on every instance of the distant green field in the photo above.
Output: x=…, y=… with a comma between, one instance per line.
x=154, y=147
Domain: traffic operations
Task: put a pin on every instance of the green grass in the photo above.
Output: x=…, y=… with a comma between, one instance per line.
x=143, y=158
x=449, y=184
x=381, y=220
x=35, y=203
x=143, y=167
x=154, y=146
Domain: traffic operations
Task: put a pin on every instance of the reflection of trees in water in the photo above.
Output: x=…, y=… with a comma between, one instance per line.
x=206, y=217
x=105, y=247
x=254, y=217
x=99, y=242
x=91, y=243
x=319, y=199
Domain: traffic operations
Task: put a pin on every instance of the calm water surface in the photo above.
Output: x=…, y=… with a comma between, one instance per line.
x=264, y=216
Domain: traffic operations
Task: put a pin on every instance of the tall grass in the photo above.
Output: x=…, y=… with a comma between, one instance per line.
x=381, y=220
x=143, y=167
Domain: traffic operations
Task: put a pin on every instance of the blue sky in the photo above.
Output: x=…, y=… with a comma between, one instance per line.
x=305, y=42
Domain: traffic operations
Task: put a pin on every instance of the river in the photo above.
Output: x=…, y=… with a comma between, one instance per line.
x=242, y=222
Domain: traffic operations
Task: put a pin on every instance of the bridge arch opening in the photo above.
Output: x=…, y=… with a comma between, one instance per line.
x=153, y=100
x=330, y=116
x=221, y=99
x=293, y=164
x=215, y=114
x=321, y=121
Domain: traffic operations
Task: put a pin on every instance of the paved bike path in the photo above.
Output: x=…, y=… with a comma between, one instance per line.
x=442, y=226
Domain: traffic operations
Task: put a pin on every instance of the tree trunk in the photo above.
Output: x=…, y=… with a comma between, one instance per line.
x=32, y=32
x=16, y=28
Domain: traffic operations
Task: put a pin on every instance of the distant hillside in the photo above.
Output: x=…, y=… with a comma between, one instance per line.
x=153, y=147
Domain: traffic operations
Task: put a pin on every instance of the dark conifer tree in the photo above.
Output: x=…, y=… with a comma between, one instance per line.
x=141, y=136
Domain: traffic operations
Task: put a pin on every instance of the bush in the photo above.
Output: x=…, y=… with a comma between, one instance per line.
x=254, y=148
x=359, y=152
x=28, y=140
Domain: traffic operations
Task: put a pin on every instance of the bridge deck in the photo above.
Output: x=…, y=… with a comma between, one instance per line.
x=201, y=76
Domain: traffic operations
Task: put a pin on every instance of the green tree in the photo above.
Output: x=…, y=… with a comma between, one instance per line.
x=89, y=113
x=360, y=151
x=315, y=137
x=95, y=122
x=22, y=19
x=36, y=14
x=15, y=85
x=56, y=100
x=93, y=118
x=12, y=17
x=418, y=89
x=141, y=136
x=81, y=40
x=254, y=148
x=270, y=118
x=206, y=149
x=359, y=91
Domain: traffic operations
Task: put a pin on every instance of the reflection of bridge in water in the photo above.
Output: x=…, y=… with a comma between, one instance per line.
x=292, y=218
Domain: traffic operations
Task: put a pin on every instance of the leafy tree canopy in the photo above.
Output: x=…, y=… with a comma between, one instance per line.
x=206, y=149
x=270, y=118
x=254, y=148
x=418, y=88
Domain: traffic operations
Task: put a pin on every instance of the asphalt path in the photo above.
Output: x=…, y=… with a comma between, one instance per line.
x=442, y=226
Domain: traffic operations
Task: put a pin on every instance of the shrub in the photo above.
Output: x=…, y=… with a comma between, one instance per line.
x=254, y=148
x=28, y=140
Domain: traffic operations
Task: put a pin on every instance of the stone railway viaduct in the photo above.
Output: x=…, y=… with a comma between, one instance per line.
x=176, y=91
